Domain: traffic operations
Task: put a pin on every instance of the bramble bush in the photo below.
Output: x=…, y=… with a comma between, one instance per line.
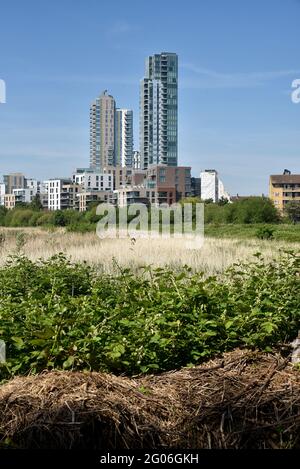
x=59, y=315
x=265, y=232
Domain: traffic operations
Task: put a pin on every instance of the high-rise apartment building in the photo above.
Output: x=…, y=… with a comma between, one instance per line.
x=102, y=131
x=159, y=111
x=111, y=134
x=123, y=138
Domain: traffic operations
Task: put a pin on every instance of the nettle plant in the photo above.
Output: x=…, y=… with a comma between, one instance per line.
x=58, y=315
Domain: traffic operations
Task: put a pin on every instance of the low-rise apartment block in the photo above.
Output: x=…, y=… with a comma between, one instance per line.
x=284, y=188
x=85, y=199
x=9, y=201
x=159, y=184
x=62, y=194
x=90, y=180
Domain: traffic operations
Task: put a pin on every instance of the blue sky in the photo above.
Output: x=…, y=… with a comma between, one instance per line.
x=237, y=60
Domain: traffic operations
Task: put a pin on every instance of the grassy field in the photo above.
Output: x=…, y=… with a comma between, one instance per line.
x=213, y=258
x=282, y=232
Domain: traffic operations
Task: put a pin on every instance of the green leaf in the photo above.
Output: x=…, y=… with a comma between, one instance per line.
x=69, y=362
x=228, y=324
x=19, y=343
x=269, y=327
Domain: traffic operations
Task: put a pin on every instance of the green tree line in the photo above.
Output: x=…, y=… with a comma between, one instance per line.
x=252, y=210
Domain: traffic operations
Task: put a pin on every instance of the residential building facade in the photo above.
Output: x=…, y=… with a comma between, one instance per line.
x=94, y=181
x=159, y=111
x=23, y=195
x=2, y=193
x=102, y=131
x=209, y=185
x=123, y=138
x=13, y=181
x=159, y=184
x=85, y=199
x=62, y=194
x=136, y=164
x=9, y=201
x=284, y=188
x=195, y=187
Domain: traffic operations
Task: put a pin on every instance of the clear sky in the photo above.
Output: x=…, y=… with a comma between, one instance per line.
x=237, y=60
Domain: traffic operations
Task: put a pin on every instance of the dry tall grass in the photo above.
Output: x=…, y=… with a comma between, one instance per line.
x=215, y=255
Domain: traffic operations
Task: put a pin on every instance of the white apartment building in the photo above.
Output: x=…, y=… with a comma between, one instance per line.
x=23, y=195
x=223, y=194
x=92, y=181
x=33, y=185
x=124, y=137
x=27, y=194
x=54, y=193
x=55, y=188
x=209, y=185
x=62, y=193
x=2, y=193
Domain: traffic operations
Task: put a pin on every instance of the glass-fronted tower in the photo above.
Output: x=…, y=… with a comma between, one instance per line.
x=159, y=111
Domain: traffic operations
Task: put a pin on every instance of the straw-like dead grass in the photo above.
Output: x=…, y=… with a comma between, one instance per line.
x=243, y=400
x=212, y=258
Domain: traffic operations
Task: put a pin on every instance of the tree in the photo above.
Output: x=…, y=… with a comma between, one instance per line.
x=292, y=210
x=222, y=201
x=3, y=212
x=36, y=203
x=59, y=218
x=255, y=210
x=190, y=200
x=22, y=205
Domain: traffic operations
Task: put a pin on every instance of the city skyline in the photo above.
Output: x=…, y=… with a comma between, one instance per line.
x=235, y=74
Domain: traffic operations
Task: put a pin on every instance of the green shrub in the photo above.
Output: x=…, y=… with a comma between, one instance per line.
x=21, y=217
x=21, y=239
x=81, y=227
x=59, y=218
x=265, y=232
x=45, y=218
x=58, y=315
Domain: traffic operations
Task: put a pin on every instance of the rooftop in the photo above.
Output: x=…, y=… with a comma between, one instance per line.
x=285, y=178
